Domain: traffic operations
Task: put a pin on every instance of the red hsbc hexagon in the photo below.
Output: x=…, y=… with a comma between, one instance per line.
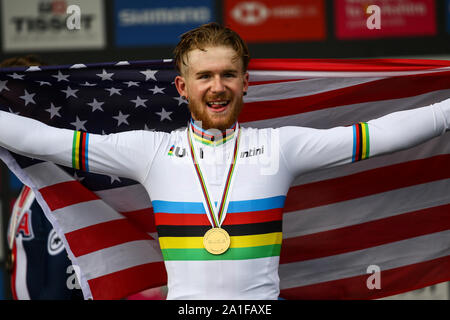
x=270, y=21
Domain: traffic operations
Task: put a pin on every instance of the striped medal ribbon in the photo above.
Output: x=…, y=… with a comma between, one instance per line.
x=216, y=240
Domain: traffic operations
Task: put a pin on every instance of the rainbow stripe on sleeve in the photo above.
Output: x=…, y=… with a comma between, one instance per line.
x=361, y=142
x=80, y=150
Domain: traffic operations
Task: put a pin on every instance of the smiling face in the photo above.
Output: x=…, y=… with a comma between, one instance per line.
x=214, y=83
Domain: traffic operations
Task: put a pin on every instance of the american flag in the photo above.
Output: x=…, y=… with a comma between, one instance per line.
x=391, y=212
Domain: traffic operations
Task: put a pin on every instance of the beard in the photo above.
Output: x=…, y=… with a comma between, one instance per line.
x=220, y=121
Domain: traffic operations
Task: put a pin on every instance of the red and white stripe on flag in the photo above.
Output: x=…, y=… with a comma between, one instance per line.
x=392, y=212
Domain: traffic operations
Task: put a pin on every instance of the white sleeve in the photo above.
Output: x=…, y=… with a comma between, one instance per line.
x=306, y=149
x=127, y=154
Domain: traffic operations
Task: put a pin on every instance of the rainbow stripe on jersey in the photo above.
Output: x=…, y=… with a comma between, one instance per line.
x=206, y=137
x=170, y=153
x=254, y=226
x=361, y=142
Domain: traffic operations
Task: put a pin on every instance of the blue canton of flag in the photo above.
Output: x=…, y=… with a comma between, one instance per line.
x=97, y=98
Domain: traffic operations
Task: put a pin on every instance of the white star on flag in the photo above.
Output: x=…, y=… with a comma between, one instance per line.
x=33, y=68
x=78, y=66
x=146, y=128
x=16, y=76
x=87, y=84
x=43, y=83
x=10, y=110
x=70, y=92
x=121, y=118
x=3, y=85
x=61, y=77
x=54, y=111
x=164, y=114
x=114, y=178
x=156, y=90
x=139, y=102
x=96, y=105
x=114, y=91
x=28, y=97
x=149, y=74
x=132, y=83
x=105, y=76
x=181, y=100
x=79, y=124
x=76, y=177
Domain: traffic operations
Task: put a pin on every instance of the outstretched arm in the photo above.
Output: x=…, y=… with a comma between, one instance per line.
x=128, y=154
x=306, y=149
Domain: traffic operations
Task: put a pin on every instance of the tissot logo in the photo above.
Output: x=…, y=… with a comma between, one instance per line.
x=51, y=15
x=252, y=152
x=52, y=25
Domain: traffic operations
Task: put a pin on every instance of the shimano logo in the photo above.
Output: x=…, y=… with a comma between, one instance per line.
x=158, y=16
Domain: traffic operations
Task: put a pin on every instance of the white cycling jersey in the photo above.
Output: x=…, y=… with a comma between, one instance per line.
x=267, y=162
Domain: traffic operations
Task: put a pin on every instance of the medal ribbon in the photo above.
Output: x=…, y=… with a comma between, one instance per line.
x=216, y=219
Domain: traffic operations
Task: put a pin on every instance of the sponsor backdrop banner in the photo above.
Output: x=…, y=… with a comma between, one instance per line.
x=276, y=21
x=30, y=25
x=395, y=17
x=158, y=22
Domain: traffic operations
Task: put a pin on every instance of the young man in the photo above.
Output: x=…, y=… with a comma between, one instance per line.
x=217, y=189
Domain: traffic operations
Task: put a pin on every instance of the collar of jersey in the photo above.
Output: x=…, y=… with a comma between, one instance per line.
x=205, y=137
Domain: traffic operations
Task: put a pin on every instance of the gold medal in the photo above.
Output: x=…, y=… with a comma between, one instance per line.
x=216, y=241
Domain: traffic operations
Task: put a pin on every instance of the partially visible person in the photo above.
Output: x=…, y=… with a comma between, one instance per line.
x=22, y=61
x=38, y=262
x=40, y=268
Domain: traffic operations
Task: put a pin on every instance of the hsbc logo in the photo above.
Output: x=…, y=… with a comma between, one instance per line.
x=252, y=13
